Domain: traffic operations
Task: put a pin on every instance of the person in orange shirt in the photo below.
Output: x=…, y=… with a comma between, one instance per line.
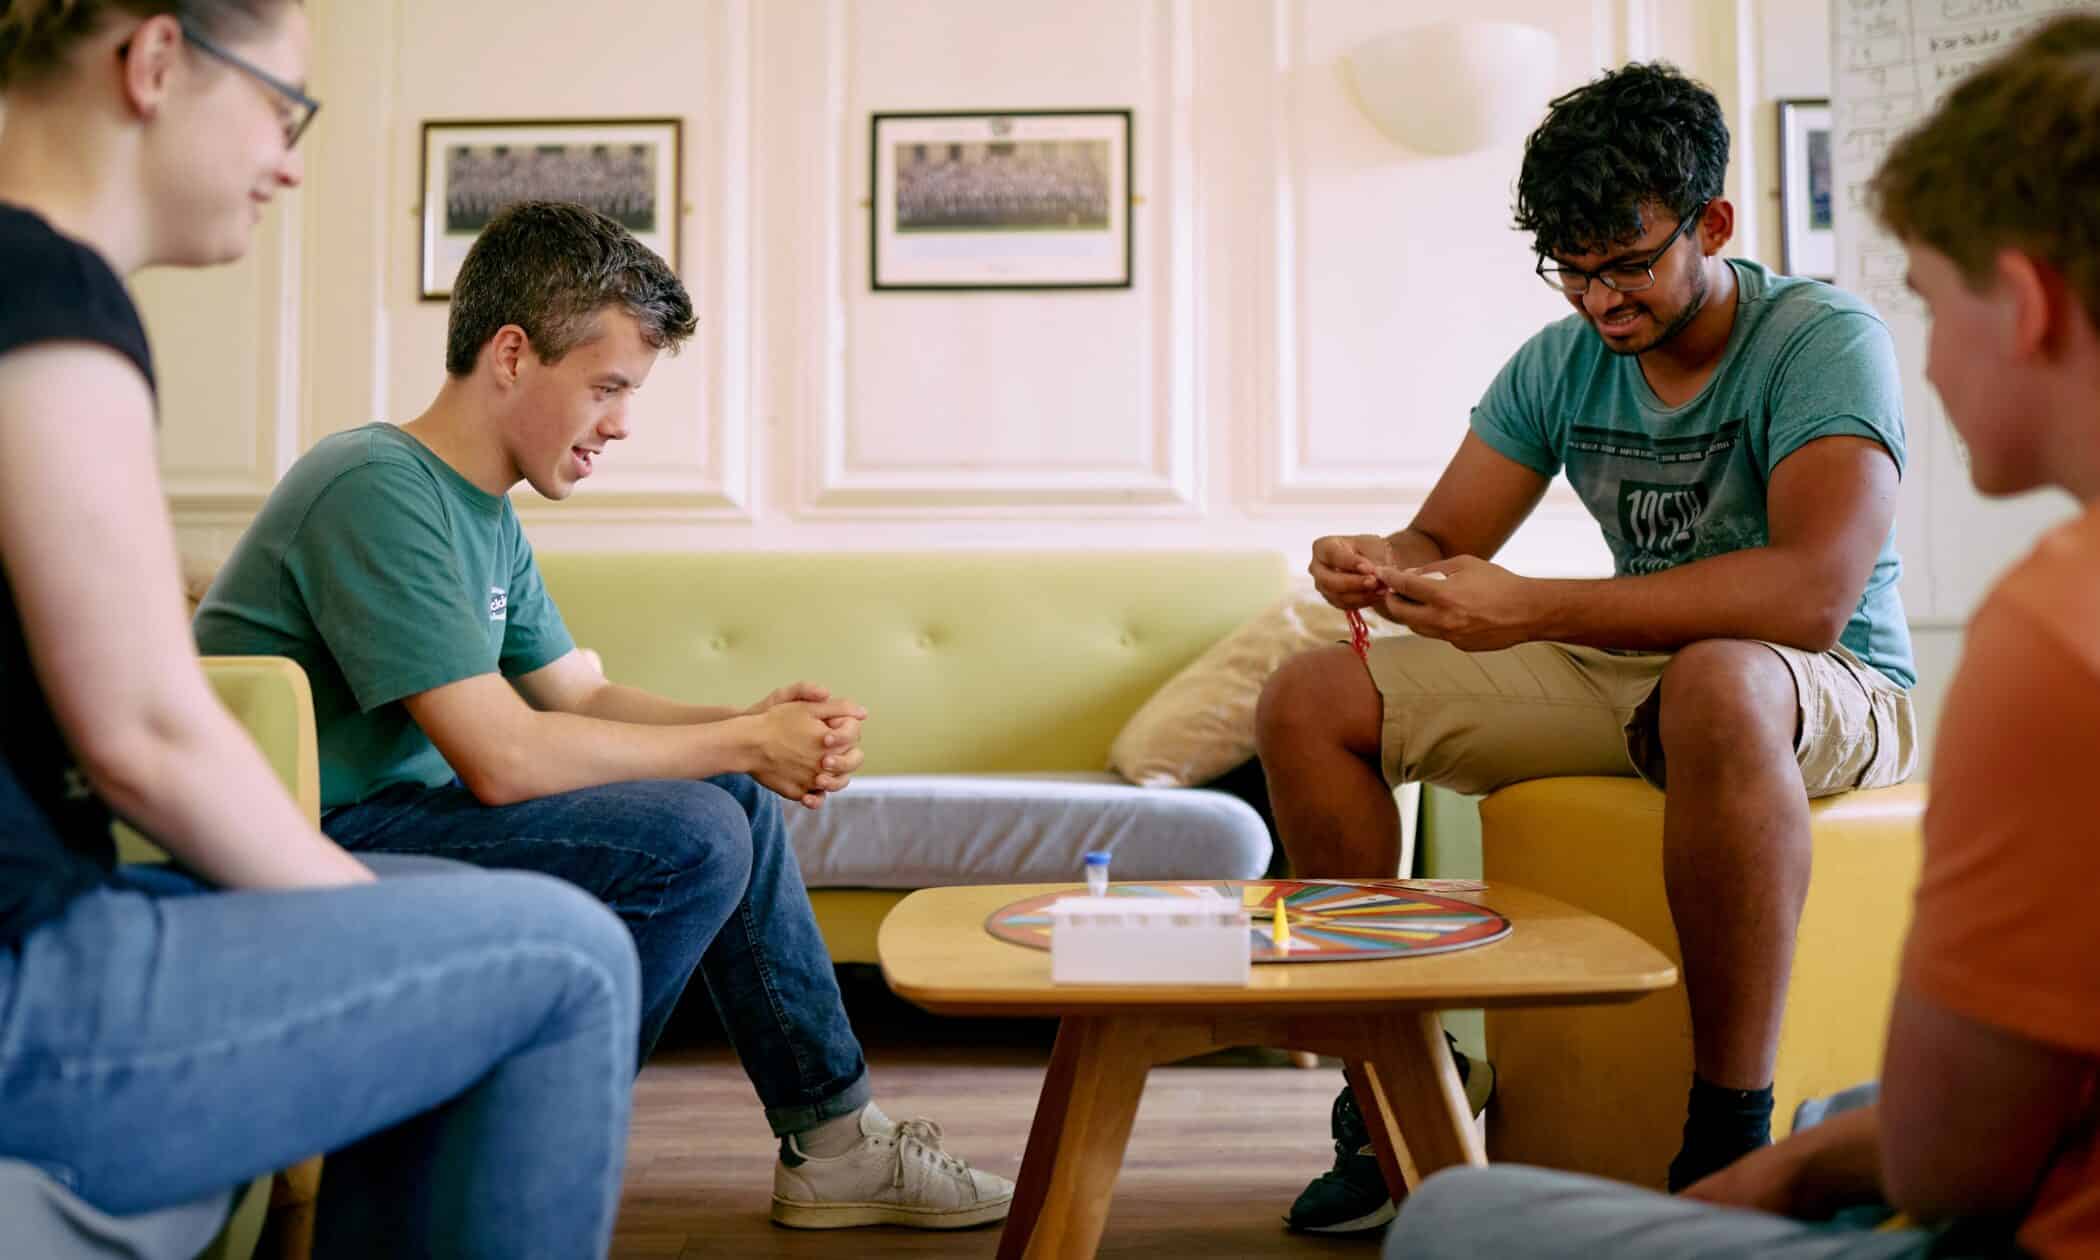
x=1984, y=1132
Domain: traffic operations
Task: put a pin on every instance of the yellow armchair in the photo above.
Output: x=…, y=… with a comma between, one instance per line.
x=269, y=696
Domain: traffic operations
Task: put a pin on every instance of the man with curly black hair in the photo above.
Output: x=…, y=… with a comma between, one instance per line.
x=1738, y=437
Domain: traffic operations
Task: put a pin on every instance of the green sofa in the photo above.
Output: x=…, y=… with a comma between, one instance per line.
x=970, y=662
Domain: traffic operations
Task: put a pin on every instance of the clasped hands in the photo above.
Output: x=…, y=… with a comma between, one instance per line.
x=809, y=745
x=1468, y=602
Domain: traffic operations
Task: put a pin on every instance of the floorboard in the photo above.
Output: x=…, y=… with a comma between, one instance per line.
x=1220, y=1147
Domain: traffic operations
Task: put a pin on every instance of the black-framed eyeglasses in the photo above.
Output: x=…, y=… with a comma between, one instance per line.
x=1628, y=275
x=298, y=108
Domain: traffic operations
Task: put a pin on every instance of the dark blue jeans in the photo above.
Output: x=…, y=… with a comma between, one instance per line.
x=703, y=876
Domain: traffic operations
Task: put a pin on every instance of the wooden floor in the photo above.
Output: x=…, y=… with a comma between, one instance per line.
x=1219, y=1150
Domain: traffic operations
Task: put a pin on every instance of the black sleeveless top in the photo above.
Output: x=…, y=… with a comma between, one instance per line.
x=54, y=830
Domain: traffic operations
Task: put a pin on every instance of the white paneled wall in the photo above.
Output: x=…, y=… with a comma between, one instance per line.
x=1313, y=313
x=227, y=359
x=689, y=456
x=929, y=406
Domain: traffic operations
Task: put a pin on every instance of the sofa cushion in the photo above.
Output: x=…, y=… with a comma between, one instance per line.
x=915, y=831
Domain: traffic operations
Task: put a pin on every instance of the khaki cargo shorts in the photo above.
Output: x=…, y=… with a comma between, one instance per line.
x=1477, y=721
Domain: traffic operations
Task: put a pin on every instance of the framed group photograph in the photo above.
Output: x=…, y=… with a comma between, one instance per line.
x=1807, y=199
x=625, y=168
x=1028, y=200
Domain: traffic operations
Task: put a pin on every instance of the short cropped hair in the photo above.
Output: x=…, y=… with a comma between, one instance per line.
x=1642, y=134
x=550, y=267
x=2010, y=160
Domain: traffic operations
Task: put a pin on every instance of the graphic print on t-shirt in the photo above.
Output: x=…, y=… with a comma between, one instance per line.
x=1661, y=492
x=1661, y=520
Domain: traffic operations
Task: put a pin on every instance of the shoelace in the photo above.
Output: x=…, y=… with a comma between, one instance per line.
x=924, y=1134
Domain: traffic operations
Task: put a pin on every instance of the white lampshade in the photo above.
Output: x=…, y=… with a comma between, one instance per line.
x=1455, y=87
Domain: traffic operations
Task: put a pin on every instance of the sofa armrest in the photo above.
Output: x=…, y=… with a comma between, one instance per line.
x=269, y=696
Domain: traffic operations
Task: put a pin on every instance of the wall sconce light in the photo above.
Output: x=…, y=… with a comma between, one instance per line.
x=1454, y=87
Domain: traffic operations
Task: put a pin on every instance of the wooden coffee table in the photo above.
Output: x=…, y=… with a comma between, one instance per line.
x=1379, y=1018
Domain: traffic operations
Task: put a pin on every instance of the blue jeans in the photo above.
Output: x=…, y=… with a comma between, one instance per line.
x=703, y=876
x=459, y=1043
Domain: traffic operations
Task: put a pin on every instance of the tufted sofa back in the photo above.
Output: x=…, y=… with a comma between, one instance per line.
x=968, y=661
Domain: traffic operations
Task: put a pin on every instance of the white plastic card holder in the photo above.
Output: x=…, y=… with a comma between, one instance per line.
x=1148, y=940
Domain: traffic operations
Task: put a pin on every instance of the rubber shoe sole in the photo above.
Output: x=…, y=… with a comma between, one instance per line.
x=796, y=1215
x=1375, y=1220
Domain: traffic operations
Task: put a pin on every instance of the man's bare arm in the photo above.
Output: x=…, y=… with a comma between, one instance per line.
x=1970, y=1114
x=572, y=684
x=1478, y=502
x=506, y=751
x=1481, y=499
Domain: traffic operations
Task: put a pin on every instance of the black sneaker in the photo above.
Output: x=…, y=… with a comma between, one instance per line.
x=1350, y=1198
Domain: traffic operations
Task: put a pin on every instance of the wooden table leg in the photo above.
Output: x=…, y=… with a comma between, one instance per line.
x=1386, y=1138
x=1045, y=1134
x=1075, y=1147
x=1419, y=1092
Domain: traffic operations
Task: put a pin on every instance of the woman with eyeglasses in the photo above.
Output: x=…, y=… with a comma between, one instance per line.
x=167, y=1033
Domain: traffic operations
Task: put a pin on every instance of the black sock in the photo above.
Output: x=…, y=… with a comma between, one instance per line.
x=1720, y=1127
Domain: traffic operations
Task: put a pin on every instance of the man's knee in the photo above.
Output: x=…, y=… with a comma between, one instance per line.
x=1729, y=696
x=544, y=910
x=1317, y=698
x=690, y=826
x=760, y=805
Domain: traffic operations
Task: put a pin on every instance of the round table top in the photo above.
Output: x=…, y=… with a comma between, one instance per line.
x=936, y=952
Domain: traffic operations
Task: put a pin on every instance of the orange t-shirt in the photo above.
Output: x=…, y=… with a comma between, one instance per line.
x=2006, y=930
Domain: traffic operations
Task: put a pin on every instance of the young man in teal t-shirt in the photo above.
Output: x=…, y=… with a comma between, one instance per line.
x=1738, y=436
x=456, y=717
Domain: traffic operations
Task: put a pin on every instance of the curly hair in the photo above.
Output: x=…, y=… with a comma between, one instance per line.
x=2010, y=160
x=549, y=267
x=36, y=35
x=1641, y=134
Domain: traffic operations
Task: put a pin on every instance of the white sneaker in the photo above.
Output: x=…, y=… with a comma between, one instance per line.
x=897, y=1175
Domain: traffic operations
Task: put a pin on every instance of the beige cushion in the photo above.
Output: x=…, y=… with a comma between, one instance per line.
x=1201, y=723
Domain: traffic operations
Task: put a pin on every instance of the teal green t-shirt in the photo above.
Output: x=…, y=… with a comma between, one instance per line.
x=1669, y=485
x=383, y=573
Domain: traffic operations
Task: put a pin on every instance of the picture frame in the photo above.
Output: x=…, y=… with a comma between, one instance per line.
x=1807, y=190
x=628, y=168
x=1015, y=200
